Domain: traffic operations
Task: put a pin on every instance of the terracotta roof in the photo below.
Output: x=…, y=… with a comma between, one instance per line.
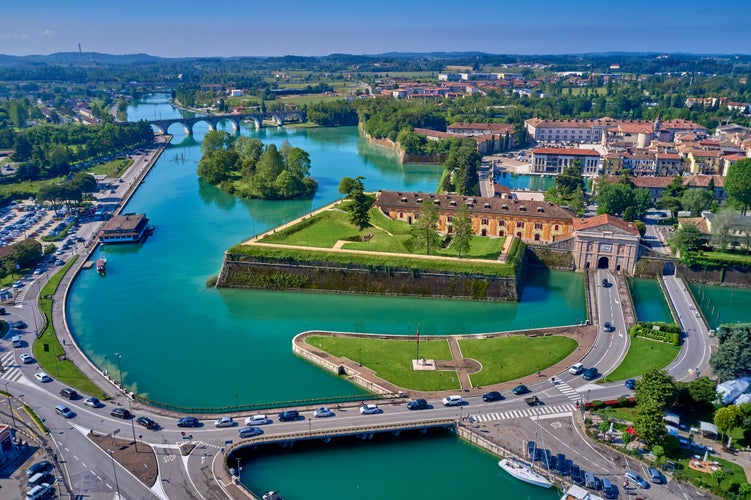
x=476, y=204
x=679, y=124
x=668, y=156
x=537, y=122
x=582, y=224
x=635, y=127
x=700, y=222
x=565, y=151
x=708, y=154
x=499, y=128
x=651, y=182
x=703, y=180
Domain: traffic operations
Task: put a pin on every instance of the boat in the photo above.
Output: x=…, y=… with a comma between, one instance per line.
x=101, y=265
x=272, y=495
x=524, y=471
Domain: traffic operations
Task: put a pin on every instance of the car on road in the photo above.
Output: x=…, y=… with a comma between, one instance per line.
x=17, y=284
x=188, y=422
x=26, y=358
x=606, y=283
x=38, y=467
x=147, y=422
x=576, y=369
x=369, y=409
x=246, y=432
x=123, y=413
x=630, y=384
x=93, y=402
x=608, y=327
x=254, y=420
x=289, y=415
x=323, y=412
x=590, y=374
x=69, y=393
x=418, y=404
x=42, y=377
x=20, y=325
x=453, y=400
x=224, y=422
x=636, y=478
x=64, y=411
x=520, y=389
x=492, y=396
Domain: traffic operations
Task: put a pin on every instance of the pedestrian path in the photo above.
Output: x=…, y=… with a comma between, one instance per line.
x=528, y=412
x=11, y=372
x=568, y=391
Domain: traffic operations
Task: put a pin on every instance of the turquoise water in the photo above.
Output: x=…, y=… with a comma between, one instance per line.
x=188, y=345
x=411, y=466
x=531, y=182
x=649, y=301
x=721, y=304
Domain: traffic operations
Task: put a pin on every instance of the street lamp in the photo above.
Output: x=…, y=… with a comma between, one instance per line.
x=114, y=470
x=237, y=401
x=120, y=367
x=132, y=425
x=10, y=408
x=238, y=466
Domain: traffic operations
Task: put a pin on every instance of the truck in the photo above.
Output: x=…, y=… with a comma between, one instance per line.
x=532, y=401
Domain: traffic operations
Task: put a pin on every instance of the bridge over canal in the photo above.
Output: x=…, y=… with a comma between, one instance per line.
x=277, y=117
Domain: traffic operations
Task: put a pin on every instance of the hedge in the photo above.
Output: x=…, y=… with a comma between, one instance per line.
x=657, y=330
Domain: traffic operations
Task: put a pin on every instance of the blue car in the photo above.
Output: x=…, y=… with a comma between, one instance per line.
x=520, y=389
x=630, y=384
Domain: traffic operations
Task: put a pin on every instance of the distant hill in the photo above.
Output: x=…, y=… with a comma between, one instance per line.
x=81, y=58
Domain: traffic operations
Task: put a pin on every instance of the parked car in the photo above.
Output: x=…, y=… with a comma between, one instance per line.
x=418, y=404
x=147, y=422
x=69, y=393
x=224, y=422
x=630, y=384
x=492, y=396
x=452, y=400
x=636, y=478
x=93, y=402
x=119, y=412
x=43, y=466
x=369, y=409
x=576, y=369
x=42, y=377
x=188, y=422
x=520, y=389
x=323, y=412
x=26, y=358
x=655, y=475
x=289, y=415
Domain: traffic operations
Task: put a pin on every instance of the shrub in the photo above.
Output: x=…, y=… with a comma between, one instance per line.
x=657, y=330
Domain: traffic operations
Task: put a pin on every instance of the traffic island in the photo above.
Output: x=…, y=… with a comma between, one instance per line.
x=138, y=458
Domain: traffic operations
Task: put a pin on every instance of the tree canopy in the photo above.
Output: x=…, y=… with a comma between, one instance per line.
x=733, y=353
x=738, y=184
x=569, y=188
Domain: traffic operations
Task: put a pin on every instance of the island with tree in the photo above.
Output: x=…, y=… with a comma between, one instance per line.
x=248, y=168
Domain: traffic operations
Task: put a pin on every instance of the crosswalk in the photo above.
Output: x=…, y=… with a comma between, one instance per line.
x=568, y=391
x=527, y=412
x=11, y=371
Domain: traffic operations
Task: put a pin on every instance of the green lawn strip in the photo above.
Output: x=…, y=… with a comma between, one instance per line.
x=623, y=413
x=322, y=230
x=113, y=168
x=35, y=418
x=735, y=474
x=509, y=358
x=392, y=359
x=63, y=370
x=728, y=257
x=643, y=355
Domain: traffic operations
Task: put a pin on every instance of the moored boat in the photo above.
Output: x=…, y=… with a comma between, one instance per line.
x=524, y=472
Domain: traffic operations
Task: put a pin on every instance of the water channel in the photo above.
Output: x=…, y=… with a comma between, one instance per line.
x=154, y=324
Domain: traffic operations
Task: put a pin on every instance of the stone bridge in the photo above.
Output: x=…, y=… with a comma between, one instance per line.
x=278, y=117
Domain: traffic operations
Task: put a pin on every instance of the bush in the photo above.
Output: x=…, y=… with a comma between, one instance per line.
x=657, y=330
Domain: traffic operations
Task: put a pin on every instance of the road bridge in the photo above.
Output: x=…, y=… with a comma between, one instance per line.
x=277, y=117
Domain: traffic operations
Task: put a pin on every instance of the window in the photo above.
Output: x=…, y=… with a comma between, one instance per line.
x=501, y=223
x=449, y=219
x=450, y=229
x=538, y=225
x=401, y=215
x=519, y=223
x=417, y=216
x=537, y=237
x=518, y=234
x=555, y=228
x=501, y=233
x=484, y=221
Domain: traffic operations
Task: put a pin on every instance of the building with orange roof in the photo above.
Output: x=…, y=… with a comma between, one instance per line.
x=606, y=242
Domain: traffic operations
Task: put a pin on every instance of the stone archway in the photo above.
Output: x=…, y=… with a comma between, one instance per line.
x=603, y=263
x=668, y=269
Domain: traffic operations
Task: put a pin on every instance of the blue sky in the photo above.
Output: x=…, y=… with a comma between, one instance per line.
x=277, y=27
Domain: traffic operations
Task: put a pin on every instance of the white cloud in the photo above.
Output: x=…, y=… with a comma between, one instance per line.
x=48, y=33
x=13, y=36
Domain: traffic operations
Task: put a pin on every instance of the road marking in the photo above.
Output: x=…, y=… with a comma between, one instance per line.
x=551, y=412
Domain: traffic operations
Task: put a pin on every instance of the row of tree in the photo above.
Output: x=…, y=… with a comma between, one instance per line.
x=246, y=167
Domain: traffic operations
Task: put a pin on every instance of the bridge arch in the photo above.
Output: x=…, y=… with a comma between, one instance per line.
x=603, y=263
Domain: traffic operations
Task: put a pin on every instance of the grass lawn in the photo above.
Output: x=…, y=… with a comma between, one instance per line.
x=47, y=349
x=303, y=100
x=735, y=474
x=113, y=168
x=728, y=257
x=322, y=230
x=392, y=359
x=643, y=355
x=509, y=358
x=623, y=413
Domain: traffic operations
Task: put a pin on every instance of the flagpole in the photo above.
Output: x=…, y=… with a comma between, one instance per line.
x=417, y=354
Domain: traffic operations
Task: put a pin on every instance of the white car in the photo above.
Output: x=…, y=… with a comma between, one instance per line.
x=42, y=377
x=452, y=401
x=93, y=402
x=26, y=358
x=224, y=422
x=369, y=409
x=254, y=420
x=576, y=369
x=323, y=412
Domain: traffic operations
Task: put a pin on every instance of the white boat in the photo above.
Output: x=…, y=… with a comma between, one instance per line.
x=524, y=472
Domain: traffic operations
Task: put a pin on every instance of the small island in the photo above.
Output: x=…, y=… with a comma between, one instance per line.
x=248, y=168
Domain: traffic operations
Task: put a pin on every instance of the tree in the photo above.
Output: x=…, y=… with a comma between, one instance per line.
x=359, y=207
x=703, y=391
x=569, y=188
x=697, y=200
x=719, y=476
x=425, y=227
x=659, y=453
x=648, y=422
x=745, y=490
x=687, y=237
x=733, y=353
x=298, y=162
x=727, y=418
x=721, y=226
x=462, y=231
x=347, y=185
x=614, y=198
x=737, y=183
x=656, y=386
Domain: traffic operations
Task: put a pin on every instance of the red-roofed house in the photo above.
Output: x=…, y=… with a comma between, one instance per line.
x=605, y=242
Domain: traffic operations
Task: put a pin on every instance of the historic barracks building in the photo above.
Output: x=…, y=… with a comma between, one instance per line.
x=603, y=241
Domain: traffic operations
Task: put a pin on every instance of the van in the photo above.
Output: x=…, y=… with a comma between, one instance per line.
x=255, y=420
x=40, y=492
x=40, y=478
x=452, y=401
x=16, y=340
x=64, y=411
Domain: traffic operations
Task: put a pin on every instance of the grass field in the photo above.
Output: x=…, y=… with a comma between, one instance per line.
x=113, y=168
x=392, y=359
x=47, y=350
x=642, y=355
x=302, y=100
x=509, y=358
x=728, y=257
